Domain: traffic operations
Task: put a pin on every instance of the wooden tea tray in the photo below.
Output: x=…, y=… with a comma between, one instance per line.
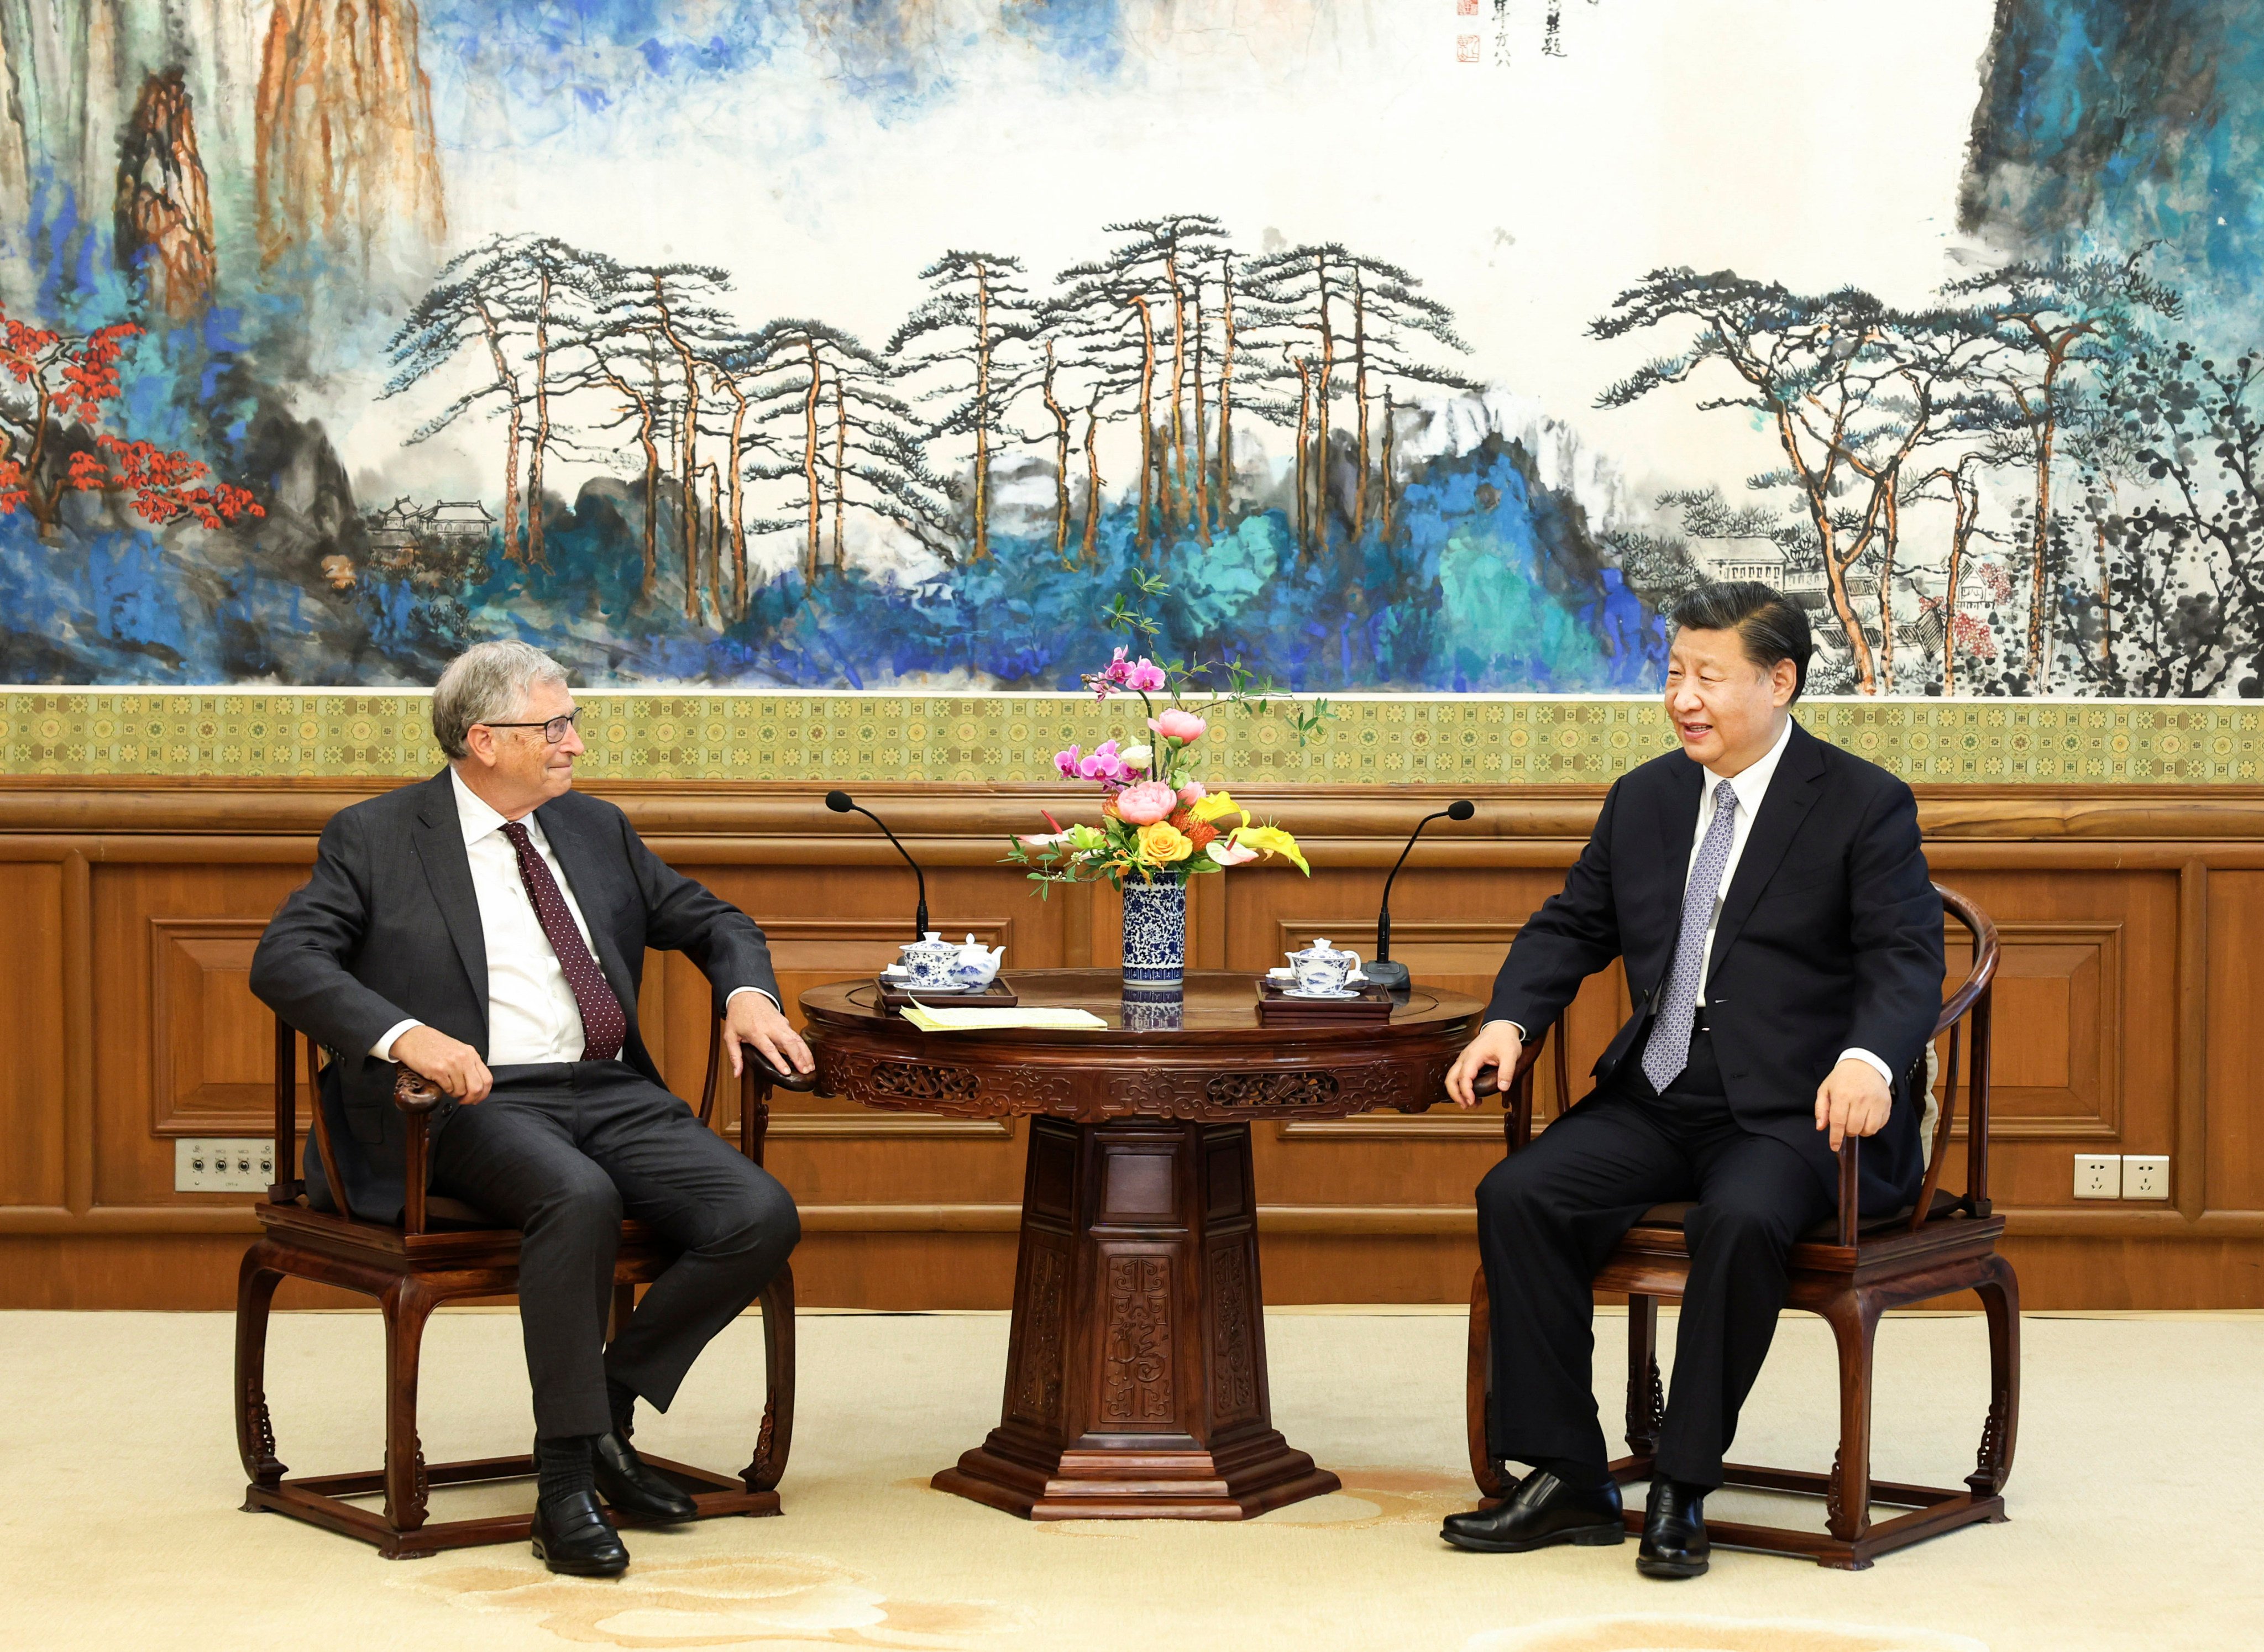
x=997, y=995
x=1276, y=1007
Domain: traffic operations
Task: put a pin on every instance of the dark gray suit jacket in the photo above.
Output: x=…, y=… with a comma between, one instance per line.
x=388, y=930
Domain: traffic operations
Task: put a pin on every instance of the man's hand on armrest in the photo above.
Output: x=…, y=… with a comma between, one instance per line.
x=749, y=1018
x=1853, y=1099
x=1498, y=1045
x=455, y=1067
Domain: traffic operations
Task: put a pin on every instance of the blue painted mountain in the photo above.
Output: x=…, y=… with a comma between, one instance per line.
x=1488, y=581
x=2105, y=125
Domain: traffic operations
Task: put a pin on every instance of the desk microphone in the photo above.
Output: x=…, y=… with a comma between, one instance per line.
x=1382, y=971
x=842, y=803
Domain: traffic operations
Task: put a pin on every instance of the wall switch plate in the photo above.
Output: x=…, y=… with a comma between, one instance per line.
x=2098, y=1176
x=2146, y=1176
x=223, y=1164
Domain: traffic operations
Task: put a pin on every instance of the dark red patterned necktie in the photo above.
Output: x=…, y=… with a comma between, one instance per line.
x=603, y=1024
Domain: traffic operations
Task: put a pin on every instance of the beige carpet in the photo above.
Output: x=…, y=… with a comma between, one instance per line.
x=2139, y=1454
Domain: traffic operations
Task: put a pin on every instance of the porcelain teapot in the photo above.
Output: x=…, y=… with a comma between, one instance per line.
x=978, y=964
x=930, y=962
x=1323, y=970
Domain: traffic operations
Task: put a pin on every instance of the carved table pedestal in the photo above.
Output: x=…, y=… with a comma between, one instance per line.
x=1136, y=1373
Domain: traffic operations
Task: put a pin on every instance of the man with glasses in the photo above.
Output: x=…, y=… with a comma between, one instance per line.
x=487, y=928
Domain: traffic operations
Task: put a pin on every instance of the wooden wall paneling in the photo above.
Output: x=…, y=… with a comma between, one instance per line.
x=200, y=921
x=212, y=1053
x=2086, y=1056
x=2232, y=1141
x=2128, y=1023
x=32, y=1084
x=78, y=995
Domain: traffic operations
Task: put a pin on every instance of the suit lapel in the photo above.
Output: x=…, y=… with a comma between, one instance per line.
x=1677, y=829
x=1792, y=792
x=439, y=842
x=585, y=876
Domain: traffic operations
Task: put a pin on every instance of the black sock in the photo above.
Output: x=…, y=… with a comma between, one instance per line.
x=561, y=1466
x=1575, y=1473
x=620, y=1404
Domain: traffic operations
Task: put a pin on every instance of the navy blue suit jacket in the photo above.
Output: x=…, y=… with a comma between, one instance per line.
x=1830, y=939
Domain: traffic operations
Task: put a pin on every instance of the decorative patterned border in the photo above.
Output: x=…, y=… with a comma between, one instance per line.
x=1497, y=739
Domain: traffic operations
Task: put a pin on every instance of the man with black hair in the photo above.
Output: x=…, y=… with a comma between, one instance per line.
x=1783, y=943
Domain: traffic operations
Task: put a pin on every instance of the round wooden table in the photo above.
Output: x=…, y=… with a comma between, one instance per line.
x=1135, y=1372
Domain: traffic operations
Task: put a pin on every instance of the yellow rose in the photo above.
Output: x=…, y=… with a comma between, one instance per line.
x=1165, y=844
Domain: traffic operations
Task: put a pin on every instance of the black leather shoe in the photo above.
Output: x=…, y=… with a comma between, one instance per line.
x=637, y=1491
x=1544, y=1510
x=572, y=1535
x=1673, y=1531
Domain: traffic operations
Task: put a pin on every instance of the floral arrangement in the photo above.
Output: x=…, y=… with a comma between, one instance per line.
x=1157, y=821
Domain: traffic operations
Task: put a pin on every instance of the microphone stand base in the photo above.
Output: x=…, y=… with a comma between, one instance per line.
x=1386, y=973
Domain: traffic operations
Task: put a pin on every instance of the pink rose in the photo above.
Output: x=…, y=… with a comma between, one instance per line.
x=1179, y=725
x=1228, y=853
x=1193, y=792
x=1144, y=677
x=1146, y=802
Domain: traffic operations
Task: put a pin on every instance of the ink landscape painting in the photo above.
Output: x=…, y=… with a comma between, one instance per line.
x=1422, y=345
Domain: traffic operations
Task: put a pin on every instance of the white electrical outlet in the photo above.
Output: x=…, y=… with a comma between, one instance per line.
x=2146, y=1176
x=2098, y=1176
x=223, y=1164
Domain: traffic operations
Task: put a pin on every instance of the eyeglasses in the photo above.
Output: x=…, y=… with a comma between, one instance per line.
x=554, y=731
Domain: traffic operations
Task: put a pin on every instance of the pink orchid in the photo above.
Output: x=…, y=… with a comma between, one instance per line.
x=1104, y=765
x=1183, y=726
x=1193, y=792
x=1067, y=761
x=1118, y=669
x=1146, y=802
x=1145, y=676
x=1229, y=853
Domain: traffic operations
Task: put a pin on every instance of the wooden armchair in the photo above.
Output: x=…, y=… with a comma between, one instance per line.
x=444, y=1250
x=1849, y=1271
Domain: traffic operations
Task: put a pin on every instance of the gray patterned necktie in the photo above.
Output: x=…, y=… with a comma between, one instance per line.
x=1668, y=1052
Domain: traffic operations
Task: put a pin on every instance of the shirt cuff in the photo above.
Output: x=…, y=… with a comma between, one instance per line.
x=383, y=1049
x=1523, y=1037
x=1872, y=1061
x=773, y=996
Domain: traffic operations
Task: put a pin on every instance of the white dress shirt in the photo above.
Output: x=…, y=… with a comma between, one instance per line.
x=532, y=1012
x=1750, y=785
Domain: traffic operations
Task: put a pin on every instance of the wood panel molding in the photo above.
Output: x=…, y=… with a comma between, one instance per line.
x=209, y=1054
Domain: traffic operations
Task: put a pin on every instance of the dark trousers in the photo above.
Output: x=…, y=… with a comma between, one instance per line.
x=1549, y=1218
x=563, y=1151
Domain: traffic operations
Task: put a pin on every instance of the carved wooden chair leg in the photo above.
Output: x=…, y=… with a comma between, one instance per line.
x=2000, y=1298
x=1855, y=1321
x=1478, y=1389
x=407, y=1306
x=255, y=1431
x=1646, y=1397
x=775, y=1439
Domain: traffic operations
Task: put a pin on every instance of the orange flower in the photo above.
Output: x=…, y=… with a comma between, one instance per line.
x=1200, y=833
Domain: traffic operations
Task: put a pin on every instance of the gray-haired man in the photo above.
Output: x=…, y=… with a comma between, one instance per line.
x=488, y=928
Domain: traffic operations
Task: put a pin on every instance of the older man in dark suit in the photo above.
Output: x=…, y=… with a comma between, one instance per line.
x=487, y=928
x=1783, y=943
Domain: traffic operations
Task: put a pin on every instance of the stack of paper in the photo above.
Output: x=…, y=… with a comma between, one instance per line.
x=964, y=1019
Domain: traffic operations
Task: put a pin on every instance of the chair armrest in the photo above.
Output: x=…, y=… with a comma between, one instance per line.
x=413, y=1092
x=763, y=1073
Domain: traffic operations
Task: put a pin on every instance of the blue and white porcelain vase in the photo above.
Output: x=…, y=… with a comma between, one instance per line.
x=1155, y=940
